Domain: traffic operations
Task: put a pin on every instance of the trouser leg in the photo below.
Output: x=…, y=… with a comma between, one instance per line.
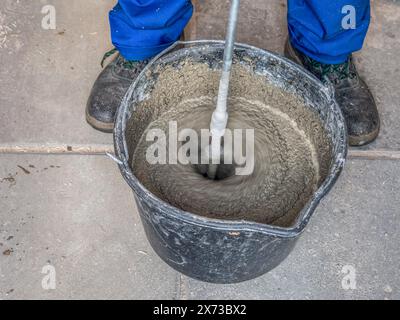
x=321, y=28
x=141, y=29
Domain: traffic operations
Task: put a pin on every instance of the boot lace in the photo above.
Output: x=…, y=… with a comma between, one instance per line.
x=128, y=64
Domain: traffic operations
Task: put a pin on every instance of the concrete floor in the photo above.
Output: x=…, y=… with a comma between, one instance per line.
x=72, y=211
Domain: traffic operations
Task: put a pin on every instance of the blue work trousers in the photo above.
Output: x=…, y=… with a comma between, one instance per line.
x=326, y=30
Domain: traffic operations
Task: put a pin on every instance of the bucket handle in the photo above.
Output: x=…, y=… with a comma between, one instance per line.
x=194, y=42
x=114, y=158
x=328, y=86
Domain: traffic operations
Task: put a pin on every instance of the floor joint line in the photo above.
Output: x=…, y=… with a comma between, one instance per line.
x=102, y=149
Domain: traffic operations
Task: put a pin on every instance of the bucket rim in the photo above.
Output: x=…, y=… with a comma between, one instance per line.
x=122, y=154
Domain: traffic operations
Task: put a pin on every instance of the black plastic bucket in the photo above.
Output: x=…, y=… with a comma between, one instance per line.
x=223, y=251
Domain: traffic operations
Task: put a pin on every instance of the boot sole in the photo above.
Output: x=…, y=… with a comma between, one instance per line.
x=99, y=125
x=353, y=141
x=365, y=139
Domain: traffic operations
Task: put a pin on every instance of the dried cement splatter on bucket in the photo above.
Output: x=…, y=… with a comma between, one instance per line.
x=292, y=151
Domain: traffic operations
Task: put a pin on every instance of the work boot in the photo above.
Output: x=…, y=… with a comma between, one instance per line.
x=351, y=93
x=109, y=90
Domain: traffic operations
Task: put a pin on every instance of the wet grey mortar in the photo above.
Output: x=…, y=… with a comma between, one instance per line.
x=292, y=151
